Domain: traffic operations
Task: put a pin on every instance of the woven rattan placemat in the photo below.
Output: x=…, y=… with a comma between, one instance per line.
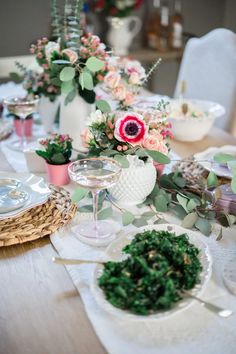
x=40, y=221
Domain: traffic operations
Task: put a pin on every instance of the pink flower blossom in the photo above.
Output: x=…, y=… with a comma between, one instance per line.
x=156, y=143
x=112, y=79
x=85, y=137
x=119, y=93
x=130, y=128
x=72, y=55
x=129, y=99
x=134, y=79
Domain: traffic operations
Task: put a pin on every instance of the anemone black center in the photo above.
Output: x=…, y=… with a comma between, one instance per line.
x=131, y=129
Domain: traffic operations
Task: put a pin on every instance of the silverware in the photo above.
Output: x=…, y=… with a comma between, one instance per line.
x=208, y=305
x=68, y=261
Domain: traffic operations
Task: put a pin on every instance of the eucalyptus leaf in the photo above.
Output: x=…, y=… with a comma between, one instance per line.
x=86, y=209
x=61, y=62
x=155, y=191
x=166, y=182
x=223, y=158
x=122, y=160
x=108, y=152
x=67, y=87
x=231, y=219
x=232, y=167
x=233, y=184
x=148, y=214
x=183, y=202
x=161, y=203
x=212, y=180
x=192, y=204
x=179, y=181
x=127, y=218
x=94, y=64
x=139, y=222
x=103, y=106
x=67, y=74
x=190, y=220
x=158, y=157
x=79, y=194
x=204, y=226
x=179, y=211
x=105, y=213
x=86, y=81
x=220, y=235
x=71, y=95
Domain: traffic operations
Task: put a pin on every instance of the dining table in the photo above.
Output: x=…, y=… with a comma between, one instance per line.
x=41, y=311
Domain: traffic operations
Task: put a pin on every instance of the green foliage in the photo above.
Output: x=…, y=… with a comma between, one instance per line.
x=212, y=180
x=79, y=194
x=103, y=106
x=122, y=160
x=94, y=64
x=67, y=74
x=223, y=158
x=158, y=157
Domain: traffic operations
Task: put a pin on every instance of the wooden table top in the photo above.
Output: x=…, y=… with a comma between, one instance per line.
x=41, y=312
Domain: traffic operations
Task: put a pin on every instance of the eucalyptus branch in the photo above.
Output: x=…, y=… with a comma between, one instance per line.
x=55, y=20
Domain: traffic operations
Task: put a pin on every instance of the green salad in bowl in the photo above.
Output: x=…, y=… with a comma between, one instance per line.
x=156, y=267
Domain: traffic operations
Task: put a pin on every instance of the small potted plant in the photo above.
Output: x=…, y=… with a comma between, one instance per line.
x=57, y=153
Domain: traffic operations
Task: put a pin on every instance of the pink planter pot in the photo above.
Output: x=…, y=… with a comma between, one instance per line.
x=28, y=125
x=58, y=174
x=160, y=168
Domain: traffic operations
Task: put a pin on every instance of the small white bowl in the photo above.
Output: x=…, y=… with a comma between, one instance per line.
x=185, y=128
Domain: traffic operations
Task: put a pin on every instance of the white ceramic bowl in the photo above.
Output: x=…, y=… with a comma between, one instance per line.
x=195, y=128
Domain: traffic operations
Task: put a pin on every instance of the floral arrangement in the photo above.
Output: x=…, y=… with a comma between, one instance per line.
x=66, y=71
x=118, y=8
x=123, y=81
x=128, y=133
x=57, y=149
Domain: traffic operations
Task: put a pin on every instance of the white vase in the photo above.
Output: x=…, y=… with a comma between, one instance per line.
x=136, y=182
x=73, y=118
x=121, y=33
x=47, y=111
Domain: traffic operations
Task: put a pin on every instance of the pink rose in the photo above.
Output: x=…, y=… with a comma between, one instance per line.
x=155, y=142
x=85, y=137
x=112, y=79
x=73, y=56
x=129, y=99
x=134, y=79
x=119, y=93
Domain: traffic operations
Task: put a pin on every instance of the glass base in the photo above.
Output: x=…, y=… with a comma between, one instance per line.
x=88, y=233
x=16, y=144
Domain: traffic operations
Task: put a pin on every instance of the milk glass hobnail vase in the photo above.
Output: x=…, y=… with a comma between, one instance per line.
x=136, y=182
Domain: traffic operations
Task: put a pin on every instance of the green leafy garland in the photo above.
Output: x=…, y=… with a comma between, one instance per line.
x=196, y=208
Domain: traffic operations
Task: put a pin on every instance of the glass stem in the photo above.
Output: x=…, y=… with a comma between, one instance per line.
x=95, y=208
x=22, y=128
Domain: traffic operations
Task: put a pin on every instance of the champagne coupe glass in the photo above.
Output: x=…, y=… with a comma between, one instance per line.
x=21, y=107
x=95, y=174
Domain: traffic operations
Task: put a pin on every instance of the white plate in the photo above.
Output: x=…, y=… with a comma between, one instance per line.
x=206, y=159
x=35, y=186
x=114, y=251
x=12, y=195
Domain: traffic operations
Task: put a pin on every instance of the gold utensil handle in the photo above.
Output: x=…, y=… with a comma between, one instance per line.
x=68, y=261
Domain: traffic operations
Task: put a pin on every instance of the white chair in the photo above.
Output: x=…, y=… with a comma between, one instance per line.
x=7, y=64
x=209, y=69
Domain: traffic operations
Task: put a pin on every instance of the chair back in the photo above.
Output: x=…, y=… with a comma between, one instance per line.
x=209, y=69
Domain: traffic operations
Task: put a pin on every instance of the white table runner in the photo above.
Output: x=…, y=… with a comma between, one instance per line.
x=195, y=331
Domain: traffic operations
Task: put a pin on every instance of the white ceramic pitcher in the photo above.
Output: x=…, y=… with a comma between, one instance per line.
x=121, y=33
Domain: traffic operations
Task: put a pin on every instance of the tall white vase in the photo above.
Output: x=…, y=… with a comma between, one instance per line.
x=121, y=33
x=73, y=118
x=47, y=111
